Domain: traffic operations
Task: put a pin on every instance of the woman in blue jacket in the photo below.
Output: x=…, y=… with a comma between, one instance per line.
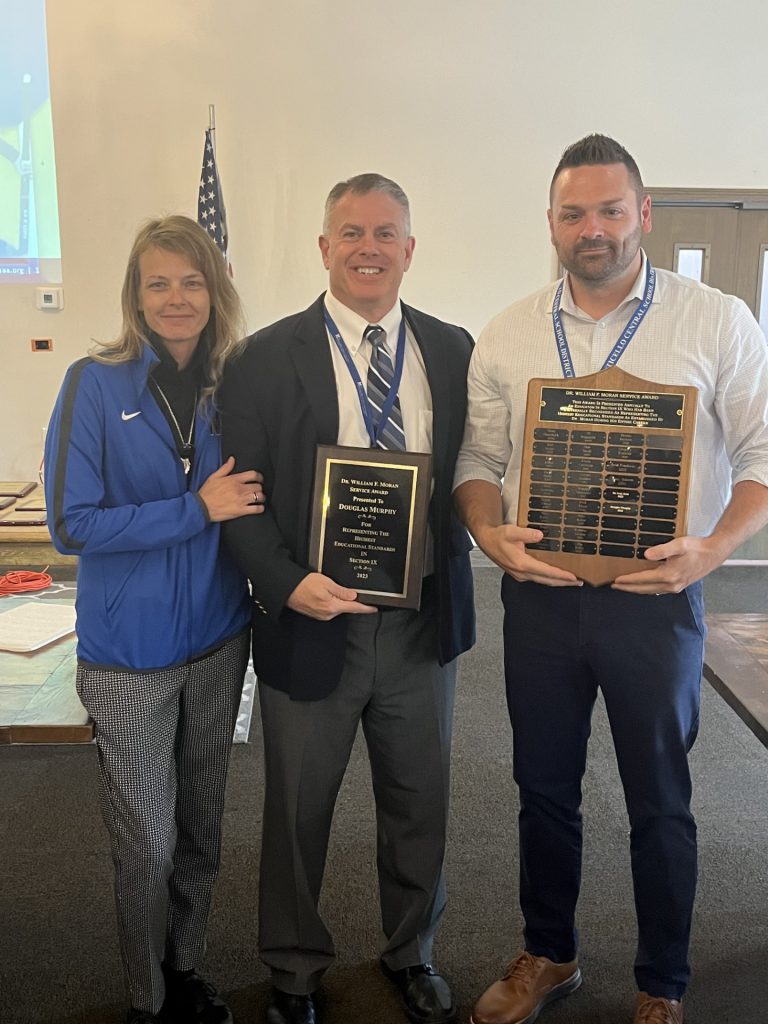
x=136, y=487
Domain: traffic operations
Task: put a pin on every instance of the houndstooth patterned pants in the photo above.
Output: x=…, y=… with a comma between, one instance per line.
x=163, y=740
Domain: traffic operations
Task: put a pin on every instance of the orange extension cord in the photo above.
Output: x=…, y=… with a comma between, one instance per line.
x=21, y=581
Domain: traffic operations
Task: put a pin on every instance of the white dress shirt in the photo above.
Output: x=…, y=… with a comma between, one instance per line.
x=414, y=393
x=691, y=335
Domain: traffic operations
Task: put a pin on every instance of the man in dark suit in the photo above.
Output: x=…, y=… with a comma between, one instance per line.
x=325, y=660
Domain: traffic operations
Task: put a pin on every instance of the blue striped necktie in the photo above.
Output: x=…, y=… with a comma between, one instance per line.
x=380, y=375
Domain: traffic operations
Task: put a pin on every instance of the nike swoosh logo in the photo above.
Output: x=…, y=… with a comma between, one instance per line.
x=130, y=415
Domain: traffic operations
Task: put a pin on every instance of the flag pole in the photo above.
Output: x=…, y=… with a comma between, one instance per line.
x=212, y=126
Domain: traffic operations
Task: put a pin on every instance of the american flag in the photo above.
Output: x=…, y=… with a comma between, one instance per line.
x=211, y=214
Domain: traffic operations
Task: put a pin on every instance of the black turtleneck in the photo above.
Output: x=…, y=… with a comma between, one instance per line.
x=180, y=387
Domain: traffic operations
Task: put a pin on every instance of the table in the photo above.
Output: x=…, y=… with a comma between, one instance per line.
x=736, y=664
x=38, y=701
x=27, y=546
x=30, y=547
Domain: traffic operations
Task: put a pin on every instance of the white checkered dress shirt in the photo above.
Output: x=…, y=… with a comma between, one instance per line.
x=691, y=335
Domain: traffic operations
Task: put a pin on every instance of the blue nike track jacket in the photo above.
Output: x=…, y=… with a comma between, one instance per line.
x=155, y=586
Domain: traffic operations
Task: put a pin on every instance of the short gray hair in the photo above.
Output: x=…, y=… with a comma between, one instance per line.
x=360, y=185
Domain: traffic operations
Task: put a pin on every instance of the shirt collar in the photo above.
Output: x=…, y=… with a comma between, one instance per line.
x=351, y=325
x=637, y=291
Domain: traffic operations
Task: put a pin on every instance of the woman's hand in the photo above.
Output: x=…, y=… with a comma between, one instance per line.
x=228, y=495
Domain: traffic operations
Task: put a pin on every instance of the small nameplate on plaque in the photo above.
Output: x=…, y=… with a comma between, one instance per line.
x=369, y=521
x=605, y=470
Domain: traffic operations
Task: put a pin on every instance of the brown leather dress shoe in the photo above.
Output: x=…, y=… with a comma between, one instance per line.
x=529, y=983
x=655, y=1010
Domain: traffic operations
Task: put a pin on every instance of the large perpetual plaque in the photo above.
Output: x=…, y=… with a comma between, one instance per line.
x=605, y=470
x=369, y=521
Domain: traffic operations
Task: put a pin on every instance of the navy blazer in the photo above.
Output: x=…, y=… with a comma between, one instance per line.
x=278, y=402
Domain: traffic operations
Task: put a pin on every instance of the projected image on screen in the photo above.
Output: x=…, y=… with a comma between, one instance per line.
x=30, y=249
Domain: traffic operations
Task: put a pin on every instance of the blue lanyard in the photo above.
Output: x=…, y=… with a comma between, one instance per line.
x=362, y=395
x=627, y=334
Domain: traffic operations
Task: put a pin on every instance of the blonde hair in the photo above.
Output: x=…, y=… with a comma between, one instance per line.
x=223, y=334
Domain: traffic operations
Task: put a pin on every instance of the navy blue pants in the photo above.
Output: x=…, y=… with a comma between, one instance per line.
x=645, y=653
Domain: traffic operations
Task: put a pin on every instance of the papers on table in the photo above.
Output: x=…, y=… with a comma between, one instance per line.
x=32, y=625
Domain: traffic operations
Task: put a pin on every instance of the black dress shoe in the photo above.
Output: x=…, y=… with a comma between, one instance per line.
x=142, y=1017
x=426, y=996
x=285, y=1008
x=190, y=999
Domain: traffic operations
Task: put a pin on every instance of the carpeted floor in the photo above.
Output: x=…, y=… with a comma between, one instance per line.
x=58, y=948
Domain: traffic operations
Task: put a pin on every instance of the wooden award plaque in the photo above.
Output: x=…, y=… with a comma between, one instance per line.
x=605, y=470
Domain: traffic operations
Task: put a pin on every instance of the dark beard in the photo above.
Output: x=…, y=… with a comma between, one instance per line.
x=605, y=266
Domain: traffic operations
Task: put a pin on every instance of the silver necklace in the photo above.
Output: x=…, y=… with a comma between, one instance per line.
x=185, y=448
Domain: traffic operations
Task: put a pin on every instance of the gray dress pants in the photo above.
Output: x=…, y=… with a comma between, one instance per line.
x=163, y=741
x=393, y=685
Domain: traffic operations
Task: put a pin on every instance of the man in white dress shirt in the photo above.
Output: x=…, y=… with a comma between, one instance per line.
x=640, y=640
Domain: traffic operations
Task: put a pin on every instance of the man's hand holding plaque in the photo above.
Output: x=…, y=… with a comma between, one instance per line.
x=507, y=545
x=320, y=597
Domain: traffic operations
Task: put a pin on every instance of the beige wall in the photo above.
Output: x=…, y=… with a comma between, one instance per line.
x=467, y=105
